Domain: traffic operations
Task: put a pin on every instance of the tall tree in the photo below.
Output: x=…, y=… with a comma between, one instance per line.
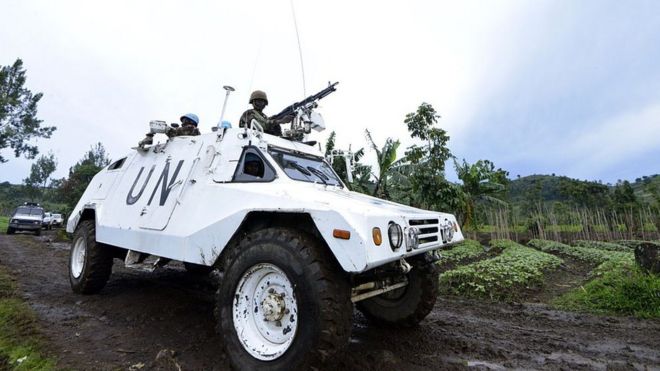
x=422, y=171
x=40, y=172
x=18, y=113
x=82, y=173
x=482, y=183
x=386, y=158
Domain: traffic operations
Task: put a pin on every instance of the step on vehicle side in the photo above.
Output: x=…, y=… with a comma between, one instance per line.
x=295, y=246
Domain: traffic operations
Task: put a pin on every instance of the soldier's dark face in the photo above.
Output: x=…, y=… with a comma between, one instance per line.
x=186, y=122
x=259, y=104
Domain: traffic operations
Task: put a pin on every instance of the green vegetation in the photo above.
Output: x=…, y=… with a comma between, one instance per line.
x=19, y=338
x=587, y=254
x=619, y=287
x=502, y=277
x=4, y=222
x=18, y=114
x=634, y=243
x=602, y=245
x=466, y=250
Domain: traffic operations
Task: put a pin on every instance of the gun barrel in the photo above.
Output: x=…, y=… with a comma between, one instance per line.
x=290, y=110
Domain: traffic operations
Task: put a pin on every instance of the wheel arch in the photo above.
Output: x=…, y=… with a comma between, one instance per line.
x=86, y=213
x=258, y=220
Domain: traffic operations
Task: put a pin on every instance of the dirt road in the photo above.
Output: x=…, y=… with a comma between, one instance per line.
x=164, y=319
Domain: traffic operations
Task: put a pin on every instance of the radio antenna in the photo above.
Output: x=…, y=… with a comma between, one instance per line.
x=302, y=66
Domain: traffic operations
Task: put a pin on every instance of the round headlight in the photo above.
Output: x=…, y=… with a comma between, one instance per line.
x=395, y=234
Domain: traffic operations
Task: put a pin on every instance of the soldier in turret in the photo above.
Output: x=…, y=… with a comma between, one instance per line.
x=259, y=101
x=189, y=123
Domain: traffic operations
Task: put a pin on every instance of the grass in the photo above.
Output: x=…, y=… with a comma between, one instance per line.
x=503, y=277
x=19, y=337
x=619, y=287
x=4, y=222
x=602, y=245
x=586, y=254
x=468, y=249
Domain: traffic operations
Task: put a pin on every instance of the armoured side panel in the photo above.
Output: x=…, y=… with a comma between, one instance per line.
x=170, y=184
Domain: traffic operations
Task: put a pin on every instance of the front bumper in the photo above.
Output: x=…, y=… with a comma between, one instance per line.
x=25, y=226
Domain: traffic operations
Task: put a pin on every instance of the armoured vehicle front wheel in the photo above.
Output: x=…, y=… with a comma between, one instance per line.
x=406, y=306
x=197, y=269
x=90, y=263
x=284, y=303
x=37, y=232
x=10, y=230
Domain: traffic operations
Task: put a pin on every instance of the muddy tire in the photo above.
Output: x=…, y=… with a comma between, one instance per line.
x=10, y=230
x=407, y=306
x=90, y=263
x=289, y=298
x=197, y=270
x=37, y=232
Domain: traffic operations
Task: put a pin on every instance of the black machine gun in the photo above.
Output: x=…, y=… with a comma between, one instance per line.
x=306, y=104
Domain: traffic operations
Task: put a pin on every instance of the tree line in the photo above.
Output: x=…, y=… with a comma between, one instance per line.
x=415, y=176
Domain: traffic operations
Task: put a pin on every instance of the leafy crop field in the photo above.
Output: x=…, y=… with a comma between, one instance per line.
x=606, y=277
x=588, y=254
x=603, y=245
x=469, y=249
x=503, y=277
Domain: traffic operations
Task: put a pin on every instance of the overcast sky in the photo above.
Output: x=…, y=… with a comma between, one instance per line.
x=537, y=87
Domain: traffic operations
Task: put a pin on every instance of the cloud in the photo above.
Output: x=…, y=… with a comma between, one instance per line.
x=616, y=144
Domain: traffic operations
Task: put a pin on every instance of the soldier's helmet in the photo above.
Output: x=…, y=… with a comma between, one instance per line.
x=258, y=94
x=192, y=117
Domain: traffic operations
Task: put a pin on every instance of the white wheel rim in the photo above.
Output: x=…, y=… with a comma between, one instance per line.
x=265, y=312
x=78, y=257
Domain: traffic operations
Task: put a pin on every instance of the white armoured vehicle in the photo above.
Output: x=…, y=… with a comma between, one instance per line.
x=294, y=246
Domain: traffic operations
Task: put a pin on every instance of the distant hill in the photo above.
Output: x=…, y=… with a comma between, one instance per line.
x=562, y=188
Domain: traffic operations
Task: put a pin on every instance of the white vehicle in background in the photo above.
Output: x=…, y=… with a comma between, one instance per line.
x=57, y=220
x=295, y=247
x=47, y=221
x=27, y=217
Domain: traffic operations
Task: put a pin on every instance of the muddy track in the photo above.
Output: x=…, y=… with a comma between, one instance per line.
x=139, y=315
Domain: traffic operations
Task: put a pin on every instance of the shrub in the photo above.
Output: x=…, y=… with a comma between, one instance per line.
x=501, y=277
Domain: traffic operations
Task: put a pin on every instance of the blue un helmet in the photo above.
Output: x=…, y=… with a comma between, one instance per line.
x=192, y=117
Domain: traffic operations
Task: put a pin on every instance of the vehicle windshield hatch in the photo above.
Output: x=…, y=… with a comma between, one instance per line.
x=305, y=168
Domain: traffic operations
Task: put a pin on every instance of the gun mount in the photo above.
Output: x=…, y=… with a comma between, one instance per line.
x=304, y=117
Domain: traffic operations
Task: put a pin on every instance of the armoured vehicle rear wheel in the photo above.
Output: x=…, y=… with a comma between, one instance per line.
x=406, y=306
x=90, y=263
x=284, y=303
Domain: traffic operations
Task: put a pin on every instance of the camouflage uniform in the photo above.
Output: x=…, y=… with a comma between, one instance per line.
x=183, y=130
x=270, y=126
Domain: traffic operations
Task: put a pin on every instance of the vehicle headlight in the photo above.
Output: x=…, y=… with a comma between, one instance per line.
x=447, y=230
x=395, y=235
x=37, y=222
x=412, y=238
